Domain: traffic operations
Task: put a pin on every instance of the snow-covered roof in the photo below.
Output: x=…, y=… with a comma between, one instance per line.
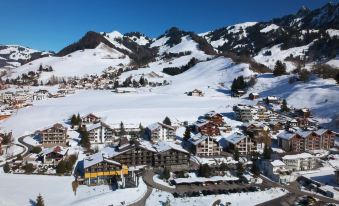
x=272, y=98
x=321, y=131
x=164, y=146
x=277, y=163
x=97, y=158
x=146, y=145
x=286, y=135
x=303, y=133
x=198, y=138
x=93, y=126
x=297, y=156
x=211, y=114
x=56, y=149
x=157, y=125
x=235, y=138
x=255, y=94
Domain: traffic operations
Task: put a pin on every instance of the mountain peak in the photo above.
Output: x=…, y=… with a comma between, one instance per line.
x=303, y=11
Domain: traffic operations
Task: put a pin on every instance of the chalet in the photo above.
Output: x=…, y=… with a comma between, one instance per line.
x=52, y=155
x=291, y=142
x=100, y=133
x=215, y=117
x=7, y=96
x=206, y=128
x=54, y=136
x=204, y=145
x=278, y=172
x=304, y=112
x=259, y=133
x=253, y=96
x=272, y=100
x=143, y=153
x=327, y=138
x=300, y=162
x=238, y=93
x=171, y=155
x=160, y=131
x=243, y=112
x=90, y=119
x=292, y=123
x=242, y=143
x=301, y=140
x=100, y=170
x=138, y=153
x=125, y=90
x=41, y=95
x=275, y=126
x=196, y=93
x=260, y=113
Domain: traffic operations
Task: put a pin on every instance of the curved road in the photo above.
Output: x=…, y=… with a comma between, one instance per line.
x=293, y=188
x=27, y=148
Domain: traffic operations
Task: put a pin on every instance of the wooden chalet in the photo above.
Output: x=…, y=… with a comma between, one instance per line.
x=54, y=136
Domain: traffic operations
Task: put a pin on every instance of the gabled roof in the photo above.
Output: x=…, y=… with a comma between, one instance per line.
x=56, y=149
x=163, y=146
x=286, y=135
x=297, y=156
x=97, y=125
x=321, y=131
x=235, y=138
x=97, y=158
x=90, y=114
x=197, y=139
x=157, y=125
x=212, y=114
x=277, y=163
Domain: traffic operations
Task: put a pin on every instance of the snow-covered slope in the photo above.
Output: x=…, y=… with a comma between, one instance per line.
x=78, y=63
x=12, y=56
x=278, y=54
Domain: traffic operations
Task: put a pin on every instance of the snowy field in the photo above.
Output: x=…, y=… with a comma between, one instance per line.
x=149, y=105
x=158, y=198
x=57, y=191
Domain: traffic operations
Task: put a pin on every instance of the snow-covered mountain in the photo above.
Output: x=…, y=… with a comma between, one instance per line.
x=12, y=56
x=308, y=35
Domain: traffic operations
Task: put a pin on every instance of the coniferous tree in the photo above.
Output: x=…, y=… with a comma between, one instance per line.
x=167, y=121
x=204, y=170
x=142, y=130
x=6, y=168
x=166, y=173
x=40, y=201
x=255, y=169
x=78, y=119
x=74, y=120
x=337, y=78
x=236, y=154
x=122, y=131
x=187, y=134
x=238, y=84
x=267, y=152
x=84, y=141
x=284, y=107
x=304, y=75
x=240, y=169
x=279, y=68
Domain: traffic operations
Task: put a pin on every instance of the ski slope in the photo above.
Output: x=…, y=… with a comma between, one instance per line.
x=78, y=63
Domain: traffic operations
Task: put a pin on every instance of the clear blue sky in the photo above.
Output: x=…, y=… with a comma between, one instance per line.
x=53, y=24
